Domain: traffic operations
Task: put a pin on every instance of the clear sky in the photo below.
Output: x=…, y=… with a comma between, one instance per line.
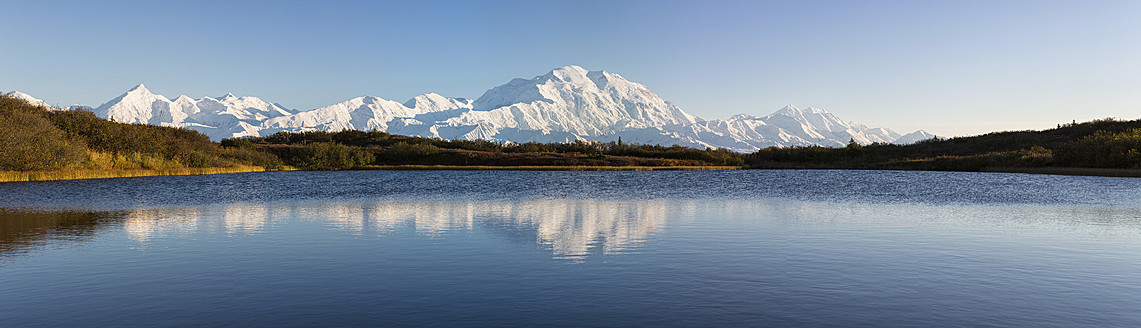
x=949, y=67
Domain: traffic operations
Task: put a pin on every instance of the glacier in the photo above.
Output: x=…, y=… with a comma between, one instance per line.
x=566, y=104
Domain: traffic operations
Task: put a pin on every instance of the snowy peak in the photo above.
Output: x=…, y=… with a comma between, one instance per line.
x=570, y=74
x=137, y=105
x=548, y=87
x=432, y=102
x=743, y=117
x=140, y=91
x=574, y=100
x=811, y=117
x=794, y=111
x=587, y=80
x=789, y=110
x=219, y=118
x=252, y=104
x=28, y=98
x=570, y=69
x=914, y=137
x=603, y=80
x=361, y=113
x=793, y=126
x=427, y=98
x=814, y=110
x=139, y=88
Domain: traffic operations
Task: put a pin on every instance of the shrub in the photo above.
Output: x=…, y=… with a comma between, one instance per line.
x=188, y=147
x=30, y=142
x=243, y=143
x=530, y=147
x=1103, y=149
x=333, y=156
x=406, y=152
x=580, y=146
x=253, y=157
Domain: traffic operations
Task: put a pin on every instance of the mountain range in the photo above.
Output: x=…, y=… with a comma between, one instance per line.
x=565, y=104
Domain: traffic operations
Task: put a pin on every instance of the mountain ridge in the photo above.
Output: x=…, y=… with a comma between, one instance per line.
x=566, y=104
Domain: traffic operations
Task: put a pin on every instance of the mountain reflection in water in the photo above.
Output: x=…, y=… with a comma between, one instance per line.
x=24, y=229
x=569, y=229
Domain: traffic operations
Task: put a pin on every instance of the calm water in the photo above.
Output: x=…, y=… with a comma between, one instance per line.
x=440, y=248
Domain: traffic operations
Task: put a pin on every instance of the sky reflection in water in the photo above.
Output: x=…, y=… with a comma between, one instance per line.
x=400, y=250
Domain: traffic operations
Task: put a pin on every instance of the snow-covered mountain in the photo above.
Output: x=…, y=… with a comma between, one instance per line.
x=572, y=99
x=28, y=98
x=913, y=137
x=223, y=117
x=366, y=113
x=566, y=104
x=789, y=126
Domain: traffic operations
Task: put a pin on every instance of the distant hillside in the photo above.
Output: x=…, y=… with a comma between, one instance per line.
x=1106, y=143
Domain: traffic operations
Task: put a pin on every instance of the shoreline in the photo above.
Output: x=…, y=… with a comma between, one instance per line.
x=1071, y=171
x=545, y=168
x=1074, y=171
x=29, y=176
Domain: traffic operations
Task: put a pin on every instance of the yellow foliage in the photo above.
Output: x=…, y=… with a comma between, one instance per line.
x=73, y=174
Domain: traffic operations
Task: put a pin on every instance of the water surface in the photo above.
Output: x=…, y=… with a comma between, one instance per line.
x=712, y=248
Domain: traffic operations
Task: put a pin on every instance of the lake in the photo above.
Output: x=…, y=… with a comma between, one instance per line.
x=512, y=248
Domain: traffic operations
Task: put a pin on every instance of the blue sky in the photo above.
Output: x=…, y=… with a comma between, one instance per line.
x=949, y=67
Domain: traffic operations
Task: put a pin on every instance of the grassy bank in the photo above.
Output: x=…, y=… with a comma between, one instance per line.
x=76, y=174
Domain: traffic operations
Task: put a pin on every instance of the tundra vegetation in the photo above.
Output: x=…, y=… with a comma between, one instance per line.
x=1099, y=146
x=388, y=149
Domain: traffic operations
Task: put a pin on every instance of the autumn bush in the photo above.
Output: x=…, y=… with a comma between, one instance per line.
x=403, y=152
x=1103, y=149
x=332, y=156
x=28, y=141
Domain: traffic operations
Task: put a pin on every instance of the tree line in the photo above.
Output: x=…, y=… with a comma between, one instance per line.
x=388, y=149
x=1103, y=143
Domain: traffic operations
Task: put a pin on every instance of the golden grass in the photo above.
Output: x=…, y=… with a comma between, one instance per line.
x=103, y=161
x=101, y=165
x=547, y=168
x=75, y=174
